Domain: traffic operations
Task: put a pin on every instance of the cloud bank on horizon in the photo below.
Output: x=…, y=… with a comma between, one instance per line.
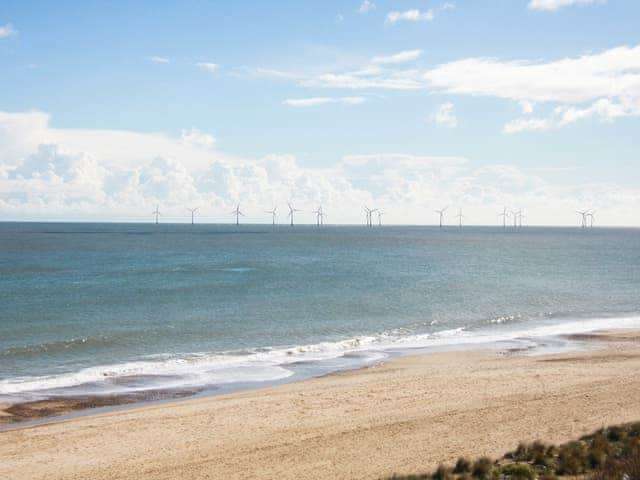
x=51, y=173
x=81, y=173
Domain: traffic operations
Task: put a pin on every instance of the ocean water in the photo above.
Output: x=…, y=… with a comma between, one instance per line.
x=109, y=308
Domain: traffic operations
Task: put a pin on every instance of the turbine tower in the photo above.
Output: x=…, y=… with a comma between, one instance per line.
x=273, y=216
x=504, y=216
x=291, y=212
x=515, y=217
x=591, y=215
x=460, y=216
x=319, y=216
x=193, y=211
x=441, y=213
x=520, y=217
x=370, y=212
x=380, y=214
x=157, y=213
x=237, y=213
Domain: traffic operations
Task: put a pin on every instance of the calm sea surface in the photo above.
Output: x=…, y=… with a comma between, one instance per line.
x=107, y=308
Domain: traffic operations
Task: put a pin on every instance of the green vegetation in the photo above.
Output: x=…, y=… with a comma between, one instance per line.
x=611, y=453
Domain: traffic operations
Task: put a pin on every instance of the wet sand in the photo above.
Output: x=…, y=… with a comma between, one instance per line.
x=52, y=407
x=405, y=416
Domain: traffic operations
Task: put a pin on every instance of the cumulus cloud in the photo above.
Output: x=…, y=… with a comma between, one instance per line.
x=413, y=15
x=208, y=66
x=553, y=5
x=315, y=101
x=197, y=138
x=445, y=115
x=526, y=106
x=7, y=31
x=118, y=175
x=366, y=6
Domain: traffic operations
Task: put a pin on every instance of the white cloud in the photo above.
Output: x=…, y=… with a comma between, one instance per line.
x=603, y=85
x=526, y=106
x=445, y=115
x=401, y=57
x=366, y=6
x=448, y=6
x=553, y=5
x=156, y=59
x=365, y=79
x=197, y=138
x=49, y=173
x=315, y=101
x=7, y=31
x=527, y=124
x=208, y=66
x=612, y=73
x=566, y=115
x=339, y=18
x=413, y=15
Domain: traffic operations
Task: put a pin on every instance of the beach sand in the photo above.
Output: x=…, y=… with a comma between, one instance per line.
x=405, y=416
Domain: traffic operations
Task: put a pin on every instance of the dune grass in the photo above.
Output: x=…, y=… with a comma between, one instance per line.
x=611, y=453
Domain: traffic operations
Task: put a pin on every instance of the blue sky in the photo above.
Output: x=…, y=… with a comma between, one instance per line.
x=404, y=104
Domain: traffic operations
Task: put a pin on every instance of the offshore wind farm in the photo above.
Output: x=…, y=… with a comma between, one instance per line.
x=587, y=217
x=338, y=239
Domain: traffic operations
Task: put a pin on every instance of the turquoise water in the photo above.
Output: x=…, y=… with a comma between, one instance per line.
x=122, y=307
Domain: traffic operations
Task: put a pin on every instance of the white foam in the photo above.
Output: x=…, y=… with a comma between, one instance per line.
x=208, y=369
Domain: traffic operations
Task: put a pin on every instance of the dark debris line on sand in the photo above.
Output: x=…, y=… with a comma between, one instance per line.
x=56, y=406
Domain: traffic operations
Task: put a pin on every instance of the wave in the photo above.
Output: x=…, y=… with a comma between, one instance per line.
x=72, y=344
x=266, y=364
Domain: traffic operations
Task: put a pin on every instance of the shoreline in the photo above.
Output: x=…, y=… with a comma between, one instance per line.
x=60, y=408
x=404, y=416
x=541, y=339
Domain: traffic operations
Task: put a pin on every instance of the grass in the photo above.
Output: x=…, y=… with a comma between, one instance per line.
x=611, y=453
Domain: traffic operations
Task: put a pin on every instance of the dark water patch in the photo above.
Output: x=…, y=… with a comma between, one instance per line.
x=57, y=346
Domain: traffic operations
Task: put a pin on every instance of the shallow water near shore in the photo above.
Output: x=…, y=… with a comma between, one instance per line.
x=112, y=309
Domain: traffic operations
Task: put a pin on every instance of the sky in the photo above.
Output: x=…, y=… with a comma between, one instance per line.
x=108, y=109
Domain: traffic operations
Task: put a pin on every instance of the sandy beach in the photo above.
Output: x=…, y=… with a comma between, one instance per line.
x=404, y=416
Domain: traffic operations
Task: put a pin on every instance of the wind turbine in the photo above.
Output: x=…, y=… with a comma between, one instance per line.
x=380, y=214
x=291, y=212
x=520, y=217
x=193, y=211
x=369, y=212
x=515, y=217
x=504, y=216
x=273, y=216
x=319, y=216
x=460, y=216
x=157, y=213
x=584, y=217
x=237, y=213
x=592, y=215
x=441, y=213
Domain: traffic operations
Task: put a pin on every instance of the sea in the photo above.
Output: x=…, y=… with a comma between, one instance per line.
x=103, y=309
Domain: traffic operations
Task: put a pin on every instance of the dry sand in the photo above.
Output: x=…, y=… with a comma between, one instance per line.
x=404, y=416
